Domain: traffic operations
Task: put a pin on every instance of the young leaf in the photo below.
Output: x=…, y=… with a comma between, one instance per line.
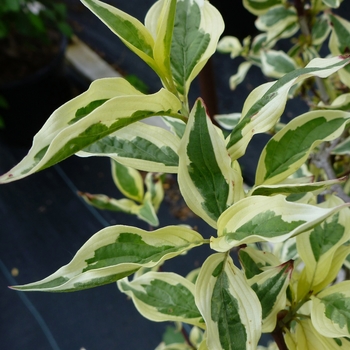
x=272, y=219
x=160, y=22
x=205, y=173
x=130, y=30
x=163, y=296
x=270, y=286
x=291, y=146
x=265, y=104
x=114, y=253
x=276, y=64
x=139, y=145
x=305, y=336
x=147, y=211
x=317, y=247
x=198, y=26
x=230, y=308
x=58, y=140
x=128, y=180
x=254, y=261
x=330, y=313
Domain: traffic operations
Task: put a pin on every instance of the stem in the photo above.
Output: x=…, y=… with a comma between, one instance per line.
x=278, y=337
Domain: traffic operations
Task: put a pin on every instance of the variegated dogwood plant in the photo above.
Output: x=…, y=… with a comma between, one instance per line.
x=290, y=231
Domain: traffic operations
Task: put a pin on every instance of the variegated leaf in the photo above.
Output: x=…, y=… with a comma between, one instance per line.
x=330, y=313
x=147, y=211
x=176, y=126
x=332, y=3
x=128, y=181
x=270, y=286
x=320, y=30
x=318, y=246
x=339, y=43
x=289, y=187
x=63, y=135
x=242, y=72
x=276, y=64
x=139, y=145
x=339, y=259
x=155, y=188
x=254, y=261
x=163, y=296
x=265, y=104
x=230, y=308
x=342, y=102
x=305, y=336
x=198, y=26
x=130, y=30
x=272, y=219
x=205, y=175
x=104, y=202
x=343, y=148
x=291, y=146
x=114, y=253
x=279, y=22
x=259, y=7
x=228, y=121
x=230, y=44
x=160, y=22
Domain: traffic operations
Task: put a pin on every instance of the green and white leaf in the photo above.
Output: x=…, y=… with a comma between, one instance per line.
x=230, y=44
x=228, y=121
x=272, y=219
x=230, y=308
x=330, y=313
x=242, y=72
x=317, y=247
x=332, y=3
x=160, y=22
x=279, y=22
x=320, y=30
x=114, y=253
x=339, y=260
x=254, y=261
x=288, y=187
x=342, y=148
x=291, y=146
x=342, y=102
x=339, y=43
x=139, y=145
x=270, y=286
x=205, y=175
x=305, y=336
x=163, y=296
x=62, y=136
x=154, y=186
x=276, y=64
x=176, y=126
x=198, y=26
x=128, y=181
x=129, y=29
x=104, y=202
x=266, y=103
x=147, y=211
x=259, y=7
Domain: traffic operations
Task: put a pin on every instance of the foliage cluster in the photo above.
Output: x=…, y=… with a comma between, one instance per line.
x=291, y=230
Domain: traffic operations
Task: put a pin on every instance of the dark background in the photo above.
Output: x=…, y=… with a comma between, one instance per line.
x=44, y=222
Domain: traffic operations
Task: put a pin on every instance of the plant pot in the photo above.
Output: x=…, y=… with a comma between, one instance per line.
x=32, y=99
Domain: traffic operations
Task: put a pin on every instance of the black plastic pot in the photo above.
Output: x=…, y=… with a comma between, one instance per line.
x=32, y=100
